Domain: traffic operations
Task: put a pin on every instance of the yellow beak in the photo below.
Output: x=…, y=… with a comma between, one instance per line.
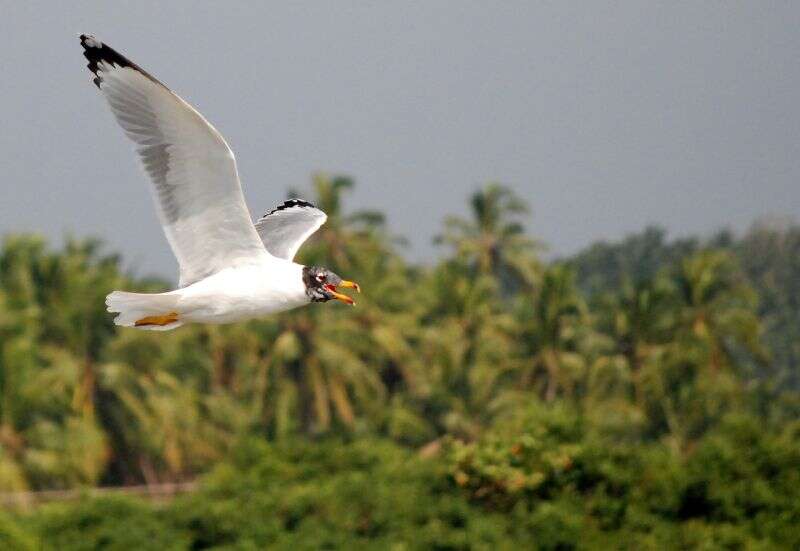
x=339, y=296
x=350, y=285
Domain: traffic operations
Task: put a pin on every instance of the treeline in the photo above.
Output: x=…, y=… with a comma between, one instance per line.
x=767, y=257
x=642, y=391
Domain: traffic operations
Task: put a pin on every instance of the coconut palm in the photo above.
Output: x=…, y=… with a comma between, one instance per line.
x=466, y=342
x=344, y=236
x=642, y=320
x=72, y=286
x=718, y=309
x=328, y=368
x=18, y=363
x=51, y=442
x=550, y=323
x=493, y=241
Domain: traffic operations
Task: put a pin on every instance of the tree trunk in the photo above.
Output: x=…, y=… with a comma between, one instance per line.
x=637, y=360
x=83, y=398
x=551, y=363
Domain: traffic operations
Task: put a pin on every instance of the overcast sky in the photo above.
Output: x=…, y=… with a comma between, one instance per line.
x=605, y=117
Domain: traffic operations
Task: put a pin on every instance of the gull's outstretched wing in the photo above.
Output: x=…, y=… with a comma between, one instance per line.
x=195, y=183
x=285, y=228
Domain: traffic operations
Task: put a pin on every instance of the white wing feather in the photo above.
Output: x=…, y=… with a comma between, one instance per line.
x=195, y=183
x=287, y=227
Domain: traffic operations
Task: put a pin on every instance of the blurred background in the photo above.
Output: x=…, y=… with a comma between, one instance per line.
x=575, y=227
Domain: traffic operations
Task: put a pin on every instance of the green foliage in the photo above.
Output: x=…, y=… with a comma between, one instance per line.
x=642, y=394
x=544, y=478
x=493, y=242
x=769, y=258
x=13, y=536
x=330, y=494
x=738, y=486
x=107, y=523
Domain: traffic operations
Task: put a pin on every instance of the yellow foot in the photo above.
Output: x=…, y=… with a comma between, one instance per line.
x=166, y=319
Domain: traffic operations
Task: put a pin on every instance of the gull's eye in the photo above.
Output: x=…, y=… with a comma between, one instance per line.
x=320, y=278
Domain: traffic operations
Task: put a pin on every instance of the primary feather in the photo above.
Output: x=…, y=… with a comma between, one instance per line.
x=192, y=170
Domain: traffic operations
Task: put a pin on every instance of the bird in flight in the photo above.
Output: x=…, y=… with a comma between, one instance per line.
x=230, y=268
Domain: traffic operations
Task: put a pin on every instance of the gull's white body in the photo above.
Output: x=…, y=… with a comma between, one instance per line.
x=247, y=291
x=230, y=268
x=243, y=292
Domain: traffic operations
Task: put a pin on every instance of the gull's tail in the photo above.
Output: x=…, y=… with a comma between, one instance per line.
x=156, y=312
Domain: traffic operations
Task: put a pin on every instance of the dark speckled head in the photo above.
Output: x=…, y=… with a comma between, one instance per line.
x=321, y=284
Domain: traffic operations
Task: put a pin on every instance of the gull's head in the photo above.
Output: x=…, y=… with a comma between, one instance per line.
x=322, y=284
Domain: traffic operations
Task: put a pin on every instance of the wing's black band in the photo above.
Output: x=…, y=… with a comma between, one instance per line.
x=289, y=204
x=95, y=51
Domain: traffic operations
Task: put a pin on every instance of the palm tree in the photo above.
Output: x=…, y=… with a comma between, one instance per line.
x=715, y=336
x=321, y=372
x=343, y=238
x=330, y=366
x=51, y=441
x=18, y=363
x=466, y=342
x=549, y=328
x=168, y=427
x=493, y=242
x=467, y=336
x=642, y=323
x=718, y=309
x=73, y=285
x=770, y=255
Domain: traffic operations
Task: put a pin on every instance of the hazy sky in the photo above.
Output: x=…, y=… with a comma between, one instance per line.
x=604, y=117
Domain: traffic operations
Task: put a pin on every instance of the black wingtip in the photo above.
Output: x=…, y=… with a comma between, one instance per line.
x=96, y=52
x=92, y=50
x=289, y=203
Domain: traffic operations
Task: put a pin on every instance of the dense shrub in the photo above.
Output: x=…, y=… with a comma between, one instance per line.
x=13, y=537
x=324, y=495
x=116, y=524
x=545, y=478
